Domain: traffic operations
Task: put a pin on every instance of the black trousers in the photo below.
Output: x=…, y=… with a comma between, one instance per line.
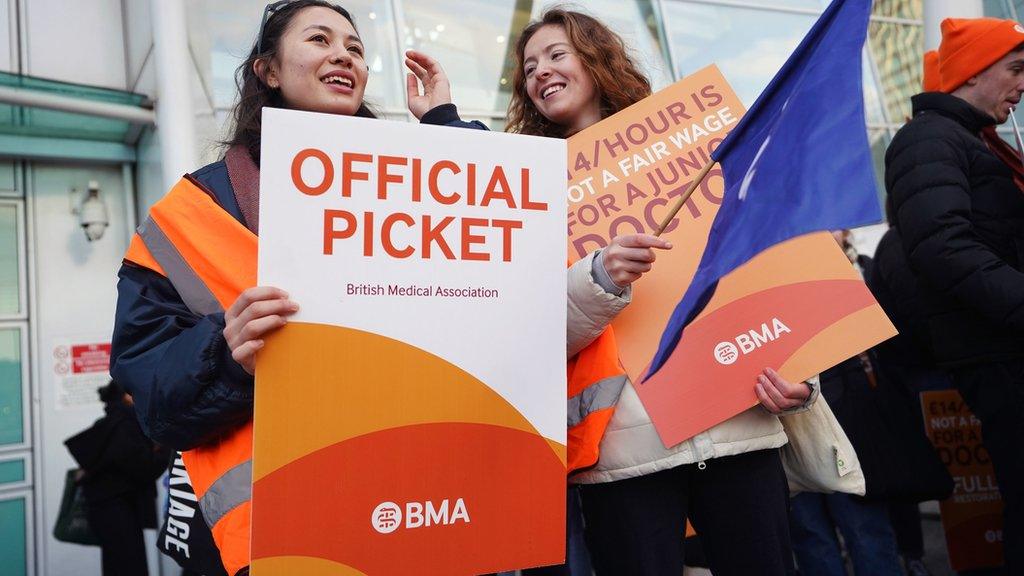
x=995, y=393
x=738, y=505
x=118, y=525
x=906, y=525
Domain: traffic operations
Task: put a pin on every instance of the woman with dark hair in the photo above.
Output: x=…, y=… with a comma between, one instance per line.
x=119, y=471
x=189, y=319
x=571, y=72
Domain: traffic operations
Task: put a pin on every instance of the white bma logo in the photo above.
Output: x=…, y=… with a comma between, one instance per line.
x=726, y=353
x=387, y=517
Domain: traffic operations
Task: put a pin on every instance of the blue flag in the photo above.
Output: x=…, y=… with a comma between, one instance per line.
x=797, y=162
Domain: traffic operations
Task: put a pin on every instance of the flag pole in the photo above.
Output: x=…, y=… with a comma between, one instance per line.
x=686, y=196
x=1016, y=133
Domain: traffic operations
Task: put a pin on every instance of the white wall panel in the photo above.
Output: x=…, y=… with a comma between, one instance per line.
x=79, y=41
x=138, y=33
x=8, y=36
x=75, y=297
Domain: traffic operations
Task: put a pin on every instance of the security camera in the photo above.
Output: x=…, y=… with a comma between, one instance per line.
x=92, y=214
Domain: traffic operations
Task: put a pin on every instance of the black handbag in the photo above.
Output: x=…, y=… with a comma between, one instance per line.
x=884, y=424
x=72, y=522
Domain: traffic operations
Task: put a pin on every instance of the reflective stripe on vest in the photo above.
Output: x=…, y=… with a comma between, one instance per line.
x=194, y=293
x=228, y=492
x=209, y=258
x=598, y=396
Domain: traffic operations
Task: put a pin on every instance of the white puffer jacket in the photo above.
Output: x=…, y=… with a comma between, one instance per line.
x=631, y=446
x=591, y=308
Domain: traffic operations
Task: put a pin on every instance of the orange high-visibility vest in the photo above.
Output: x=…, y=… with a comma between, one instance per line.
x=210, y=258
x=596, y=378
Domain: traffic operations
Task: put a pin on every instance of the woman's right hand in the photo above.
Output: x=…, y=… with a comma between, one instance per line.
x=630, y=256
x=256, y=312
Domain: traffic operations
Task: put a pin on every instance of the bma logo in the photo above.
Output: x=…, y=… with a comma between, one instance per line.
x=387, y=516
x=727, y=352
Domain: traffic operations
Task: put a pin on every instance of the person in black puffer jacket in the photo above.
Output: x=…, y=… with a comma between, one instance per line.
x=961, y=219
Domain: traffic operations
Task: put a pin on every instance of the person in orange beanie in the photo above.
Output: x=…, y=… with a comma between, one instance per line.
x=932, y=82
x=960, y=216
x=976, y=63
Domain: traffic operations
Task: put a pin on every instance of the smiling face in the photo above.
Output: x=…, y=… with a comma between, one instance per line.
x=558, y=82
x=319, y=65
x=997, y=89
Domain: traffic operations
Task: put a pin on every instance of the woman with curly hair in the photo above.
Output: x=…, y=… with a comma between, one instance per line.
x=571, y=72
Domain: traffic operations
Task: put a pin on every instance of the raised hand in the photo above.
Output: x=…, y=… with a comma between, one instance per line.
x=436, y=89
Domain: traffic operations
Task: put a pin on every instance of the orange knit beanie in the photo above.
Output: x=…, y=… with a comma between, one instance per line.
x=931, y=81
x=969, y=46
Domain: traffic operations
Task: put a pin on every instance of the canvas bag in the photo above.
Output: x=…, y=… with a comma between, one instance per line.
x=72, y=521
x=819, y=457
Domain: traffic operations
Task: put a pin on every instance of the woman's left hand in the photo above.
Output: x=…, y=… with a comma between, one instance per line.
x=777, y=394
x=436, y=89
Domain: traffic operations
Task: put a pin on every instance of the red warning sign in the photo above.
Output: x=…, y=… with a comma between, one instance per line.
x=89, y=358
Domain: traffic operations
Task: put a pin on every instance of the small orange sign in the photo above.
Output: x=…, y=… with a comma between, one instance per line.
x=973, y=516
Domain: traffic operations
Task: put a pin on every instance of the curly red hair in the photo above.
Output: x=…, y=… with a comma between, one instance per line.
x=618, y=79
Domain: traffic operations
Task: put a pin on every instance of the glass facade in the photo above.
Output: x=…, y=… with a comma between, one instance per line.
x=12, y=423
x=14, y=512
x=10, y=265
x=748, y=39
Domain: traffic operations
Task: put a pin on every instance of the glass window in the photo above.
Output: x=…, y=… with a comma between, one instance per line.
x=13, y=528
x=910, y=9
x=799, y=5
x=1006, y=133
x=998, y=8
x=873, y=112
x=898, y=52
x=12, y=471
x=223, y=32
x=637, y=23
x=9, y=178
x=749, y=45
x=10, y=266
x=879, y=142
x=476, y=51
x=12, y=430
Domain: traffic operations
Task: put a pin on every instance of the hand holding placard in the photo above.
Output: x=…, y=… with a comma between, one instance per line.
x=256, y=312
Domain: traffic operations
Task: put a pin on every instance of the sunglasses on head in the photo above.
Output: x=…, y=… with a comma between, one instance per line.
x=274, y=7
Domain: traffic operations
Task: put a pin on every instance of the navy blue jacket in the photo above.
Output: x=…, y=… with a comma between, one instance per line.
x=188, y=390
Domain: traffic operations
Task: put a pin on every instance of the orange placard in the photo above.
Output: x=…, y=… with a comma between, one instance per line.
x=973, y=516
x=799, y=307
